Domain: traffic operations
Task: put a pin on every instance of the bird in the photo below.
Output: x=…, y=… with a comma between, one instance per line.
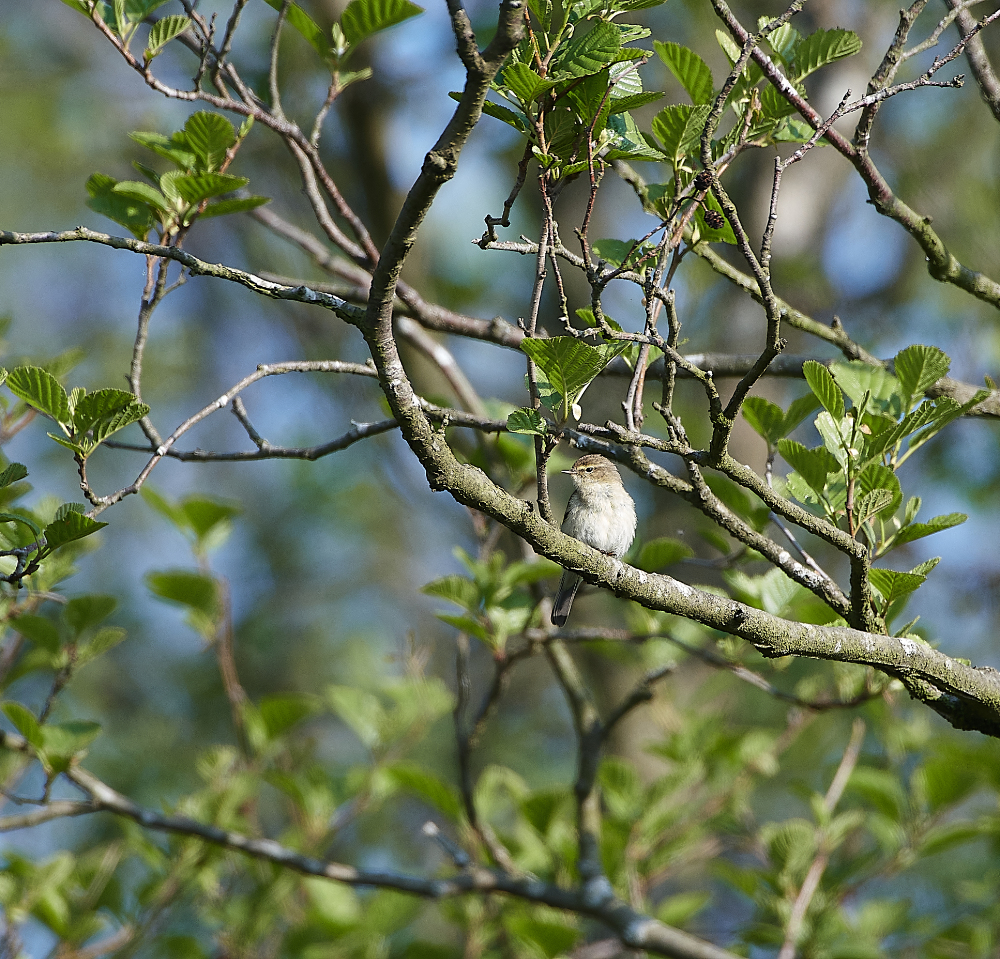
x=599, y=513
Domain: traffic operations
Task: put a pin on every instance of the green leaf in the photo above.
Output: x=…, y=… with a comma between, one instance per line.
x=417, y=781
x=677, y=910
x=233, y=205
x=822, y=383
x=83, y=612
x=813, y=465
x=633, y=101
x=205, y=516
x=892, y=585
x=569, y=364
x=783, y=41
x=360, y=710
x=765, y=418
x=102, y=641
x=62, y=741
x=99, y=406
x=821, y=48
x=186, y=588
x=662, y=552
x=798, y=410
x=524, y=83
x=67, y=529
x=456, y=589
x=302, y=23
x=679, y=128
x=526, y=420
x=624, y=138
x=195, y=187
x=42, y=391
x=13, y=473
x=690, y=70
x=282, y=711
x=163, y=31
x=131, y=414
x=210, y=136
x=513, y=118
x=362, y=18
x=591, y=52
x=918, y=530
x=876, y=478
x=712, y=234
x=919, y=367
x=857, y=378
x=172, y=148
x=142, y=193
x=41, y=631
x=138, y=218
x=24, y=722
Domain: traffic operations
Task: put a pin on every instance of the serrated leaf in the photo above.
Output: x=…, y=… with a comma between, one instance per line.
x=823, y=385
x=97, y=406
x=526, y=420
x=456, y=589
x=919, y=367
x=813, y=465
x=821, y=48
x=209, y=136
x=798, y=410
x=131, y=414
x=71, y=527
x=233, y=205
x=875, y=477
x=591, y=52
x=633, y=101
x=918, y=530
x=659, y=553
x=624, y=139
x=690, y=70
x=679, y=128
x=170, y=148
x=765, y=418
x=137, y=217
x=303, y=24
x=12, y=474
x=513, y=118
x=195, y=187
x=569, y=364
x=6, y=517
x=783, y=41
x=163, y=31
x=524, y=83
x=362, y=18
x=141, y=193
x=870, y=504
x=892, y=585
x=41, y=390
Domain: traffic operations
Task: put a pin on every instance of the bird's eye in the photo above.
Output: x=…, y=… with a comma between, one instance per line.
x=590, y=469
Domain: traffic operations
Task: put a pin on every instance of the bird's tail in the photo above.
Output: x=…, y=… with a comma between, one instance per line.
x=563, y=603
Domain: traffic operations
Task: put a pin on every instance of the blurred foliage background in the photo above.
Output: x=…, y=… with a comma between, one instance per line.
x=325, y=560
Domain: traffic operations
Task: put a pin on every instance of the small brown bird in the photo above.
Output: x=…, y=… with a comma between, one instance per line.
x=601, y=514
